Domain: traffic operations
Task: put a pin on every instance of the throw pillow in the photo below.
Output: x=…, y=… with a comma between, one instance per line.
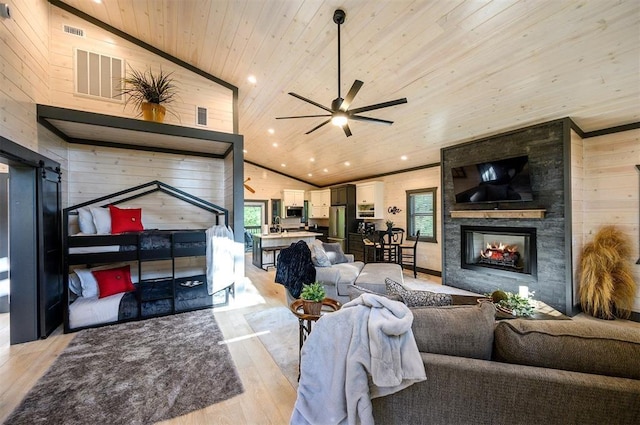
x=319, y=256
x=462, y=331
x=75, y=285
x=85, y=221
x=355, y=291
x=87, y=282
x=125, y=220
x=335, y=253
x=576, y=345
x=102, y=220
x=113, y=281
x=415, y=298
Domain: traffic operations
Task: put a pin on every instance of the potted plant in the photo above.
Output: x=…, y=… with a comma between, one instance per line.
x=389, y=224
x=312, y=296
x=511, y=303
x=149, y=92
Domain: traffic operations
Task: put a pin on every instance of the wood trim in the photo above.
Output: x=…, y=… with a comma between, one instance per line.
x=538, y=213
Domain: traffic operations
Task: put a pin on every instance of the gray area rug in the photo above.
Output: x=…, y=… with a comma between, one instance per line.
x=134, y=373
x=278, y=329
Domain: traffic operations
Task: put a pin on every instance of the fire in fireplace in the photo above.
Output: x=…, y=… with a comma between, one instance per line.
x=499, y=249
x=499, y=254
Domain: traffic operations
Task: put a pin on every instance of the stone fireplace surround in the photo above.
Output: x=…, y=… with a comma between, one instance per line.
x=547, y=146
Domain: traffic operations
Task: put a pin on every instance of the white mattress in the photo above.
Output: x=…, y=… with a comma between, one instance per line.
x=94, y=310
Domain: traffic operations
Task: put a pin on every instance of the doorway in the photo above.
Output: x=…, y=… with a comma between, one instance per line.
x=34, y=237
x=4, y=254
x=255, y=217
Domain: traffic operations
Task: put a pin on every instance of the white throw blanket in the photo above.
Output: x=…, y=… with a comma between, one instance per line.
x=220, y=258
x=362, y=351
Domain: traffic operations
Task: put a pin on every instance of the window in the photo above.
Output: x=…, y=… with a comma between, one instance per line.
x=421, y=214
x=255, y=215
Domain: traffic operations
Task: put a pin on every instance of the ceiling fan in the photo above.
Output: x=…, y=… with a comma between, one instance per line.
x=339, y=113
x=246, y=186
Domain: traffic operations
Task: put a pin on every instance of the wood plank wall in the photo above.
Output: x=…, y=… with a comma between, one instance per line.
x=193, y=90
x=98, y=171
x=611, y=185
x=429, y=255
x=577, y=206
x=25, y=69
x=269, y=185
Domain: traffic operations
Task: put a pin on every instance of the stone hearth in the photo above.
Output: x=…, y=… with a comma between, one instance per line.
x=549, y=273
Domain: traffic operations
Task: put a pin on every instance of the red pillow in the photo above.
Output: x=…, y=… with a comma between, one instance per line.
x=125, y=220
x=113, y=281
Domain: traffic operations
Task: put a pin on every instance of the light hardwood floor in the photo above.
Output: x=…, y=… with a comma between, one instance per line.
x=268, y=396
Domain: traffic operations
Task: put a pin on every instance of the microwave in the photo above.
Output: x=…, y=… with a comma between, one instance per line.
x=293, y=212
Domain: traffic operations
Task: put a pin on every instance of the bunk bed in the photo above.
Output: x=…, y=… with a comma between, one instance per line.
x=106, y=274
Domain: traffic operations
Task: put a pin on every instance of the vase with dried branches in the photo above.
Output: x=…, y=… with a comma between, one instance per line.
x=149, y=92
x=607, y=289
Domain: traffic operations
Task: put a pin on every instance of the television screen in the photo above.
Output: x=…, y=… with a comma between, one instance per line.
x=504, y=180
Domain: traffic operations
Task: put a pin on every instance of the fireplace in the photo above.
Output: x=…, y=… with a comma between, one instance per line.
x=508, y=251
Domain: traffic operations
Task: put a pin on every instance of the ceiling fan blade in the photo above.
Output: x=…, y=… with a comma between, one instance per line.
x=249, y=188
x=346, y=129
x=353, y=91
x=369, y=119
x=318, y=126
x=379, y=105
x=303, y=116
x=310, y=101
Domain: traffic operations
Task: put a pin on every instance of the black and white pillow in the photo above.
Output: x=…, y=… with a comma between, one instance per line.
x=415, y=298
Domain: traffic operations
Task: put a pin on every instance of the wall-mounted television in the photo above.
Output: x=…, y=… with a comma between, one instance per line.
x=503, y=180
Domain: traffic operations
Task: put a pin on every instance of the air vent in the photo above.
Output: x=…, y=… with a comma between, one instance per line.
x=201, y=116
x=98, y=75
x=78, y=32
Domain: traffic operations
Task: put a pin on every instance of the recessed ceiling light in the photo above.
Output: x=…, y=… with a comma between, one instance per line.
x=403, y=157
x=271, y=131
x=252, y=79
x=275, y=145
x=325, y=170
x=283, y=165
x=244, y=151
x=312, y=159
x=310, y=175
x=347, y=163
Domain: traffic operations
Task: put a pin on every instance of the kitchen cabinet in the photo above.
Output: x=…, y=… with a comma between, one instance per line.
x=369, y=200
x=343, y=195
x=293, y=198
x=320, y=202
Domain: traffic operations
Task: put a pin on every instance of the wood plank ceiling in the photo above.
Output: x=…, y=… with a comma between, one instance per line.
x=468, y=69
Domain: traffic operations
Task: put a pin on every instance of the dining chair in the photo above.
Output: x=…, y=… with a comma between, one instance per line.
x=389, y=243
x=408, y=254
x=370, y=244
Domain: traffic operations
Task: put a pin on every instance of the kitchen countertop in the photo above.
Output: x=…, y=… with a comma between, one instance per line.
x=295, y=234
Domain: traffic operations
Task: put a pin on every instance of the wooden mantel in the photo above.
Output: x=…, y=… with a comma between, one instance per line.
x=498, y=213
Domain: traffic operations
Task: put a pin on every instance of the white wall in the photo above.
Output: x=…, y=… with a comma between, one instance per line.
x=429, y=255
x=611, y=187
x=269, y=185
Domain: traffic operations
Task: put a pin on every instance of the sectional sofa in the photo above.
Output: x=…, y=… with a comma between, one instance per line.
x=518, y=371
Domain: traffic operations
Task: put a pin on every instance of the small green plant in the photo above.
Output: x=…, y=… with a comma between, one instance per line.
x=520, y=306
x=313, y=292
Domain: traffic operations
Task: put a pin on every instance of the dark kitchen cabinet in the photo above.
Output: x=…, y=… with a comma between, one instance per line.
x=343, y=195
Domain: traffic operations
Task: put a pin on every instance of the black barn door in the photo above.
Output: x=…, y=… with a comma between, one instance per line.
x=49, y=240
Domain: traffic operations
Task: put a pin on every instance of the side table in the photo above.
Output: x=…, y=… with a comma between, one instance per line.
x=305, y=321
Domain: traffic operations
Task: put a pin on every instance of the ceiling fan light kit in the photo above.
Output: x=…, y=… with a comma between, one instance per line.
x=339, y=114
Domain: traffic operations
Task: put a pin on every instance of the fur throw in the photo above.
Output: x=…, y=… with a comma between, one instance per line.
x=607, y=288
x=295, y=268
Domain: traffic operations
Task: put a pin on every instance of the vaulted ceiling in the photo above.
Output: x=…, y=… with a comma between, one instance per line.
x=468, y=69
